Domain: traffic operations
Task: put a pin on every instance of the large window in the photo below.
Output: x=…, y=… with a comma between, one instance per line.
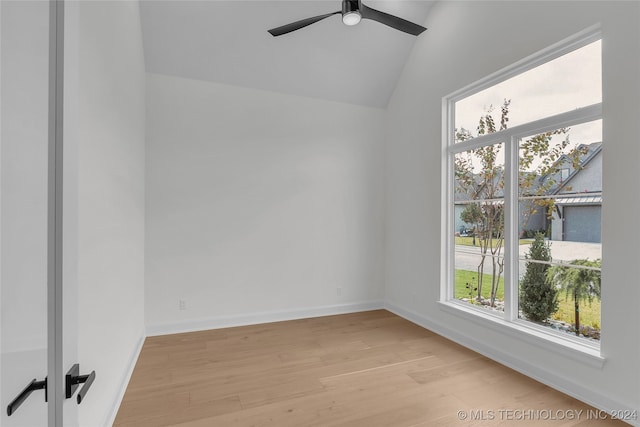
x=523, y=191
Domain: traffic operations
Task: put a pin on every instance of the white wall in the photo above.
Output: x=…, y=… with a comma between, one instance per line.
x=465, y=42
x=104, y=194
x=259, y=205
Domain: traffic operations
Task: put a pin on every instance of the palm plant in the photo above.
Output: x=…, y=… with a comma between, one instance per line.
x=582, y=283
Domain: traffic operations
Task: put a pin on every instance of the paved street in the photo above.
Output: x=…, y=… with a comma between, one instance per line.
x=468, y=257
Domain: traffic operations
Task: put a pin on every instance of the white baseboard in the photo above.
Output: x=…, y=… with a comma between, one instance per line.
x=257, y=318
x=125, y=382
x=563, y=384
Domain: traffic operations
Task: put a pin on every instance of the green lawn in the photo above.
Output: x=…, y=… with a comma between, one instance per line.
x=465, y=276
x=589, y=313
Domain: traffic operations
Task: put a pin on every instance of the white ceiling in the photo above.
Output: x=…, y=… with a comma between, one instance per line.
x=227, y=42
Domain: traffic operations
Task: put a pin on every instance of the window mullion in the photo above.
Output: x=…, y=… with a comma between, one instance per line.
x=511, y=226
x=567, y=119
x=447, y=274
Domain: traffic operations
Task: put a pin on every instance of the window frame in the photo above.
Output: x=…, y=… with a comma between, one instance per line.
x=509, y=321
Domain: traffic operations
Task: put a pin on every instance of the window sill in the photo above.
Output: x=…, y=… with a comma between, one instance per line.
x=531, y=334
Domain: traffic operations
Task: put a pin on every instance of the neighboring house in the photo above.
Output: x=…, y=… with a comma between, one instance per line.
x=578, y=216
x=578, y=200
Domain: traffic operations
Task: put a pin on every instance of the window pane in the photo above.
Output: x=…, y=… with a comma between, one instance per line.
x=479, y=174
x=563, y=84
x=560, y=183
x=564, y=297
x=560, y=202
x=479, y=274
x=479, y=226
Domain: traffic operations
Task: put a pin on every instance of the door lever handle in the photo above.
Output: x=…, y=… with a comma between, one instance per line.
x=87, y=380
x=73, y=379
x=33, y=386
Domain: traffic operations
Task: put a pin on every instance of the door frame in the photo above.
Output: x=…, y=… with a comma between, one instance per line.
x=55, y=378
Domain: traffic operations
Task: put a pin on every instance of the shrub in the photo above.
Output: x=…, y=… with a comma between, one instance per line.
x=530, y=234
x=538, y=295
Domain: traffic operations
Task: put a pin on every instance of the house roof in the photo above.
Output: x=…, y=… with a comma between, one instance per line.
x=592, y=151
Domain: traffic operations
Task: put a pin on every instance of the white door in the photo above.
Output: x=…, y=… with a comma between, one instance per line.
x=24, y=82
x=36, y=352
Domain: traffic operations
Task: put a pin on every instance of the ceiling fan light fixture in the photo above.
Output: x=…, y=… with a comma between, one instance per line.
x=351, y=18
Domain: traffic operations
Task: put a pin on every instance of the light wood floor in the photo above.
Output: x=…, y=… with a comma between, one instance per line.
x=362, y=369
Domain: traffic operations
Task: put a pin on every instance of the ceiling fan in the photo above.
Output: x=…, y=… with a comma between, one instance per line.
x=353, y=11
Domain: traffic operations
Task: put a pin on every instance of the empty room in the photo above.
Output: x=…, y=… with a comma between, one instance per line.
x=319, y=213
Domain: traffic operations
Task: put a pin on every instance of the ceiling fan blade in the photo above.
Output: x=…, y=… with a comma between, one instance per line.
x=299, y=24
x=391, y=21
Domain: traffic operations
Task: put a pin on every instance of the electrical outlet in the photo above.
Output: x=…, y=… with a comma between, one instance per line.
x=338, y=291
x=182, y=304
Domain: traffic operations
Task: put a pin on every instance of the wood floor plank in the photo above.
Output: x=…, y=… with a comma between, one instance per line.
x=359, y=369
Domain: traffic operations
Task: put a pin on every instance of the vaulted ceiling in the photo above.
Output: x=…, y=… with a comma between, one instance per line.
x=227, y=42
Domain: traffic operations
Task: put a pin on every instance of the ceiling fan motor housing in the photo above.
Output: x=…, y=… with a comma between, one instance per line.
x=350, y=6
